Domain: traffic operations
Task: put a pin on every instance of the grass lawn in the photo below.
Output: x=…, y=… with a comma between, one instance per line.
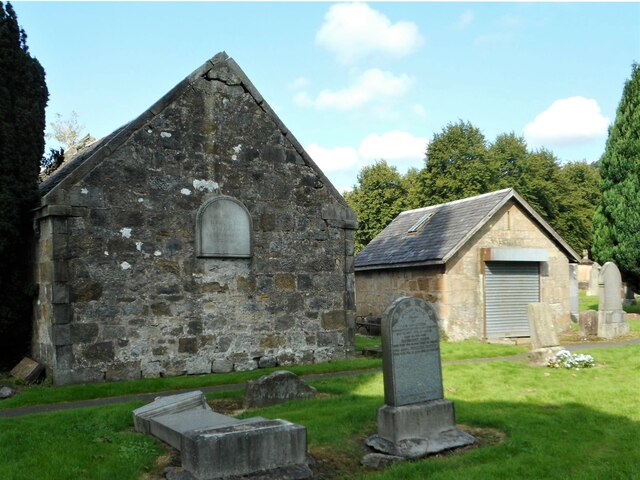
x=556, y=424
x=43, y=394
x=590, y=302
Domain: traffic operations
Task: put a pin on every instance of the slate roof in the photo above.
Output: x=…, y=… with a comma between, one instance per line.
x=220, y=68
x=449, y=228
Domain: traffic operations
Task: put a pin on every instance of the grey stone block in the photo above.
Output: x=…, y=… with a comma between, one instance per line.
x=249, y=446
x=6, y=392
x=413, y=448
x=540, y=356
x=421, y=420
x=380, y=460
x=171, y=428
x=166, y=406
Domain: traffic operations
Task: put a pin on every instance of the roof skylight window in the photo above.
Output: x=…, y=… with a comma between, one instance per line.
x=421, y=222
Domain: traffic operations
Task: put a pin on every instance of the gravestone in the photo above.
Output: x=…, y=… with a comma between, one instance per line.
x=544, y=338
x=416, y=420
x=612, y=319
x=588, y=323
x=574, y=302
x=629, y=296
x=593, y=279
x=276, y=387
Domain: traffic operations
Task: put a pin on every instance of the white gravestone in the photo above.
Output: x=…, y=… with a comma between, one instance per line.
x=612, y=319
x=416, y=420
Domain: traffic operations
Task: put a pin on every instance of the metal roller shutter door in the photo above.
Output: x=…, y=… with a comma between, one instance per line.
x=509, y=288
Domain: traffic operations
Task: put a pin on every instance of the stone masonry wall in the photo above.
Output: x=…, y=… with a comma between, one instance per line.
x=140, y=302
x=459, y=293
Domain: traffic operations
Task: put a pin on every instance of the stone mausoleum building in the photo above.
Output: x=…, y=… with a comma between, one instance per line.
x=480, y=260
x=199, y=237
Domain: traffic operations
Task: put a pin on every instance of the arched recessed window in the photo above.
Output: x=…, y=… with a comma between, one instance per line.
x=223, y=229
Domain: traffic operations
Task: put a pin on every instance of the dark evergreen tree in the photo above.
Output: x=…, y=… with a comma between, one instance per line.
x=23, y=98
x=616, y=222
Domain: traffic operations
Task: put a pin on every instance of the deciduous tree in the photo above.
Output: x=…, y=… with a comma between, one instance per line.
x=379, y=196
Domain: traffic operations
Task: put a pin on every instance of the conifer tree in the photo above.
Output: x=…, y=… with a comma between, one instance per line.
x=616, y=221
x=23, y=98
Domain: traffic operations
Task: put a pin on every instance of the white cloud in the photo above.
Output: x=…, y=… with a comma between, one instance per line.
x=333, y=159
x=299, y=83
x=394, y=146
x=567, y=121
x=374, y=86
x=465, y=20
x=353, y=31
x=419, y=110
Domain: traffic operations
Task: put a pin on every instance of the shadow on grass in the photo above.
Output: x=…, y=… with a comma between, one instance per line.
x=555, y=441
x=543, y=441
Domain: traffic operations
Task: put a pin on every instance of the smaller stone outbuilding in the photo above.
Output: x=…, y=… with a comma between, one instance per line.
x=480, y=260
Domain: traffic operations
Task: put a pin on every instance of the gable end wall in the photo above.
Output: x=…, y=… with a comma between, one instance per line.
x=138, y=300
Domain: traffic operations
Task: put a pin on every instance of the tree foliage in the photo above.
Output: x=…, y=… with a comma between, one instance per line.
x=457, y=165
x=23, y=98
x=66, y=131
x=460, y=163
x=616, y=222
x=381, y=194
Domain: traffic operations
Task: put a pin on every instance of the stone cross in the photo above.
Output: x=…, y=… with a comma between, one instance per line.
x=411, y=353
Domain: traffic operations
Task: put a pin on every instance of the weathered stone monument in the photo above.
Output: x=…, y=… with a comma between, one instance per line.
x=416, y=420
x=588, y=323
x=574, y=302
x=544, y=339
x=275, y=388
x=612, y=319
x=593, y=279
x=215, y=446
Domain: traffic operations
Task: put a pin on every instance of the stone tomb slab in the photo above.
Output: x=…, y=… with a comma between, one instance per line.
x=247, y=447
x=214, y=446
x=171, y=404
x=171, y=428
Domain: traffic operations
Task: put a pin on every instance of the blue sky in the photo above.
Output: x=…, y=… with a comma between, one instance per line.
x=354, y=82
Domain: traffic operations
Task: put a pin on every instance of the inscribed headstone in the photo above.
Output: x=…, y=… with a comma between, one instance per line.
x=411, y=353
